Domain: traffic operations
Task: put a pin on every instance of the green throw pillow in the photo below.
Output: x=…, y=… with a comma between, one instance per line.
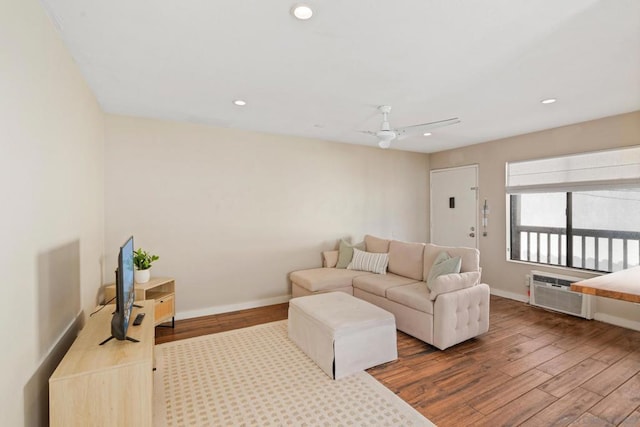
x=345, y=253
x=444, y=264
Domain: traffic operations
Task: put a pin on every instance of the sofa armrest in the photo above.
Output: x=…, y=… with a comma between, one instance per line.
x=452, y=282
x=460, y=315
x=329, y=259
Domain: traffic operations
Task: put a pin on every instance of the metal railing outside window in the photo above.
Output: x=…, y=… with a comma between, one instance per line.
x=605, y=249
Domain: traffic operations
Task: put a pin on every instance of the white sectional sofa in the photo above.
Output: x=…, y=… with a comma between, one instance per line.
x=442, y=311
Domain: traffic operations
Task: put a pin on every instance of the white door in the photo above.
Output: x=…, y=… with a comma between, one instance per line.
x=454, y=206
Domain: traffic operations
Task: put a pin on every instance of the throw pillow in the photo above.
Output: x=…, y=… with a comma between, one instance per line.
x=345, y=253
x=452, y=282
x=444, y=264
x=329, y=259
x=368, y=261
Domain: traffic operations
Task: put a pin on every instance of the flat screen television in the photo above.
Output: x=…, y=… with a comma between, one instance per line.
x=125, y=293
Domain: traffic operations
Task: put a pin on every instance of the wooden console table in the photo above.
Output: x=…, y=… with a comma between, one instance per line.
x=106, y=385
x=623, y=285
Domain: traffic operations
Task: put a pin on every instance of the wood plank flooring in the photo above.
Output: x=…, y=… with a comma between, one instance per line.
x=533, y=368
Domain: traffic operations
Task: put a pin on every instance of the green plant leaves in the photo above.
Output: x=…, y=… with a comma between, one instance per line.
x=143, y=259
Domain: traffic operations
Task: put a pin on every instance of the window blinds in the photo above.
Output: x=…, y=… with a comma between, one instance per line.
x=600, y=170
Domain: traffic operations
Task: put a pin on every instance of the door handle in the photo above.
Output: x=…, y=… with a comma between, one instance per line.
x=472, y=234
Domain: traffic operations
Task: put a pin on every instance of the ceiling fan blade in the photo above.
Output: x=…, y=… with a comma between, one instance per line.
x=416, y=129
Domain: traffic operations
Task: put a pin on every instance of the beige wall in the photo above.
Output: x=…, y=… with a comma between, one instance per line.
x=231, y=212
x=51, y=174
x=509, y=277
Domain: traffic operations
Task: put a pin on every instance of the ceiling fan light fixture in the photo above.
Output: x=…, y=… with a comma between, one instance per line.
x=240, y=102
x=384, y=143
x=385, y=138
x=301, y=11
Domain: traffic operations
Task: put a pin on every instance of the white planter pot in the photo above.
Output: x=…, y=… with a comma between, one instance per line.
x=142, y=276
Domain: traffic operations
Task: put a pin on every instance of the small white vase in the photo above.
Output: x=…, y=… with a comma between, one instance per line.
x=142, y=276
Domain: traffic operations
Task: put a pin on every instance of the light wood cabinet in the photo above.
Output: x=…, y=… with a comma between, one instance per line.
x=106, y=385
x=160, y=289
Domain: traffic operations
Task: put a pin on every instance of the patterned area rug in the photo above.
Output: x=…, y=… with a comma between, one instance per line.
x=257, y=377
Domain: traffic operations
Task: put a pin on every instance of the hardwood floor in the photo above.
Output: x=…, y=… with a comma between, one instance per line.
x=533, y=368
x=205, y=325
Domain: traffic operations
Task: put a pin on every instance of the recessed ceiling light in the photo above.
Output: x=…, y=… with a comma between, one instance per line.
x=548, y=101
x=240, y=102
x=301, y=11
x=427, y=134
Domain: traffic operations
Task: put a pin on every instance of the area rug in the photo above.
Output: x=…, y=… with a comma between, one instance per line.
x=257, y=377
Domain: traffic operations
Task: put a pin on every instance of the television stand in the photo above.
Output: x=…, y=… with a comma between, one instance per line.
x=106, y=385
x=126, y=338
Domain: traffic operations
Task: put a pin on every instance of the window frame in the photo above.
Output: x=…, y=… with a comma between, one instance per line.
x=611, y=169
x=513, y=251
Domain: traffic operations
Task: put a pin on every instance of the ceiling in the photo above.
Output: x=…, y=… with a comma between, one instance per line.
x=490, y=63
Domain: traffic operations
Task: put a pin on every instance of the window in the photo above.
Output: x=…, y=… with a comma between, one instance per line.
x=580, y=211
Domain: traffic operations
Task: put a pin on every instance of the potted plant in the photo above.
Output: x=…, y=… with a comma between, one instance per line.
x=142, y=260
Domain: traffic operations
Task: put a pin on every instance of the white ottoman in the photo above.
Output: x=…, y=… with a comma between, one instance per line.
x=341, y=333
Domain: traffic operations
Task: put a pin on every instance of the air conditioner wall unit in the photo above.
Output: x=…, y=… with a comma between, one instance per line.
x=551, y=291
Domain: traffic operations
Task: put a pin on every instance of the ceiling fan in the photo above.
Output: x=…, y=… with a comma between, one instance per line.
x=386, y=134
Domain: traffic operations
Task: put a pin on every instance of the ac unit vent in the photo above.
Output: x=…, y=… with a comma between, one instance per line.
x=551, y=291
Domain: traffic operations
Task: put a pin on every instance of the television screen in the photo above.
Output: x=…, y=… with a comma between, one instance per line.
x=125, y=291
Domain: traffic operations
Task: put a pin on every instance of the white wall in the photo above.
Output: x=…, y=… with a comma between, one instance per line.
x=509, y=277
x=231, y=212
x=51, y=175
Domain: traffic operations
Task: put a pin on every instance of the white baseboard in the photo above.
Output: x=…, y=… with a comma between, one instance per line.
x=231, y=307
x=510, y=295
x=618, y=321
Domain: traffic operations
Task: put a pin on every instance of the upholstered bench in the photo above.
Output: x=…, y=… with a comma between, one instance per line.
x=341, y=333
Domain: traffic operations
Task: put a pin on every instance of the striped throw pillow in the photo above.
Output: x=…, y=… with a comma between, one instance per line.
x=369, y=261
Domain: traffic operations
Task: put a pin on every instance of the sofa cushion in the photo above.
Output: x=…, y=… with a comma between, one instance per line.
x=369, y=261
x=345, y=253
x=443, y=264
x=378, y=284
x=452, y=282
x=406, y=259
x=322, y=279
x=376, y=244
x=329, y=258
x=470, y=257
x=414, y=295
